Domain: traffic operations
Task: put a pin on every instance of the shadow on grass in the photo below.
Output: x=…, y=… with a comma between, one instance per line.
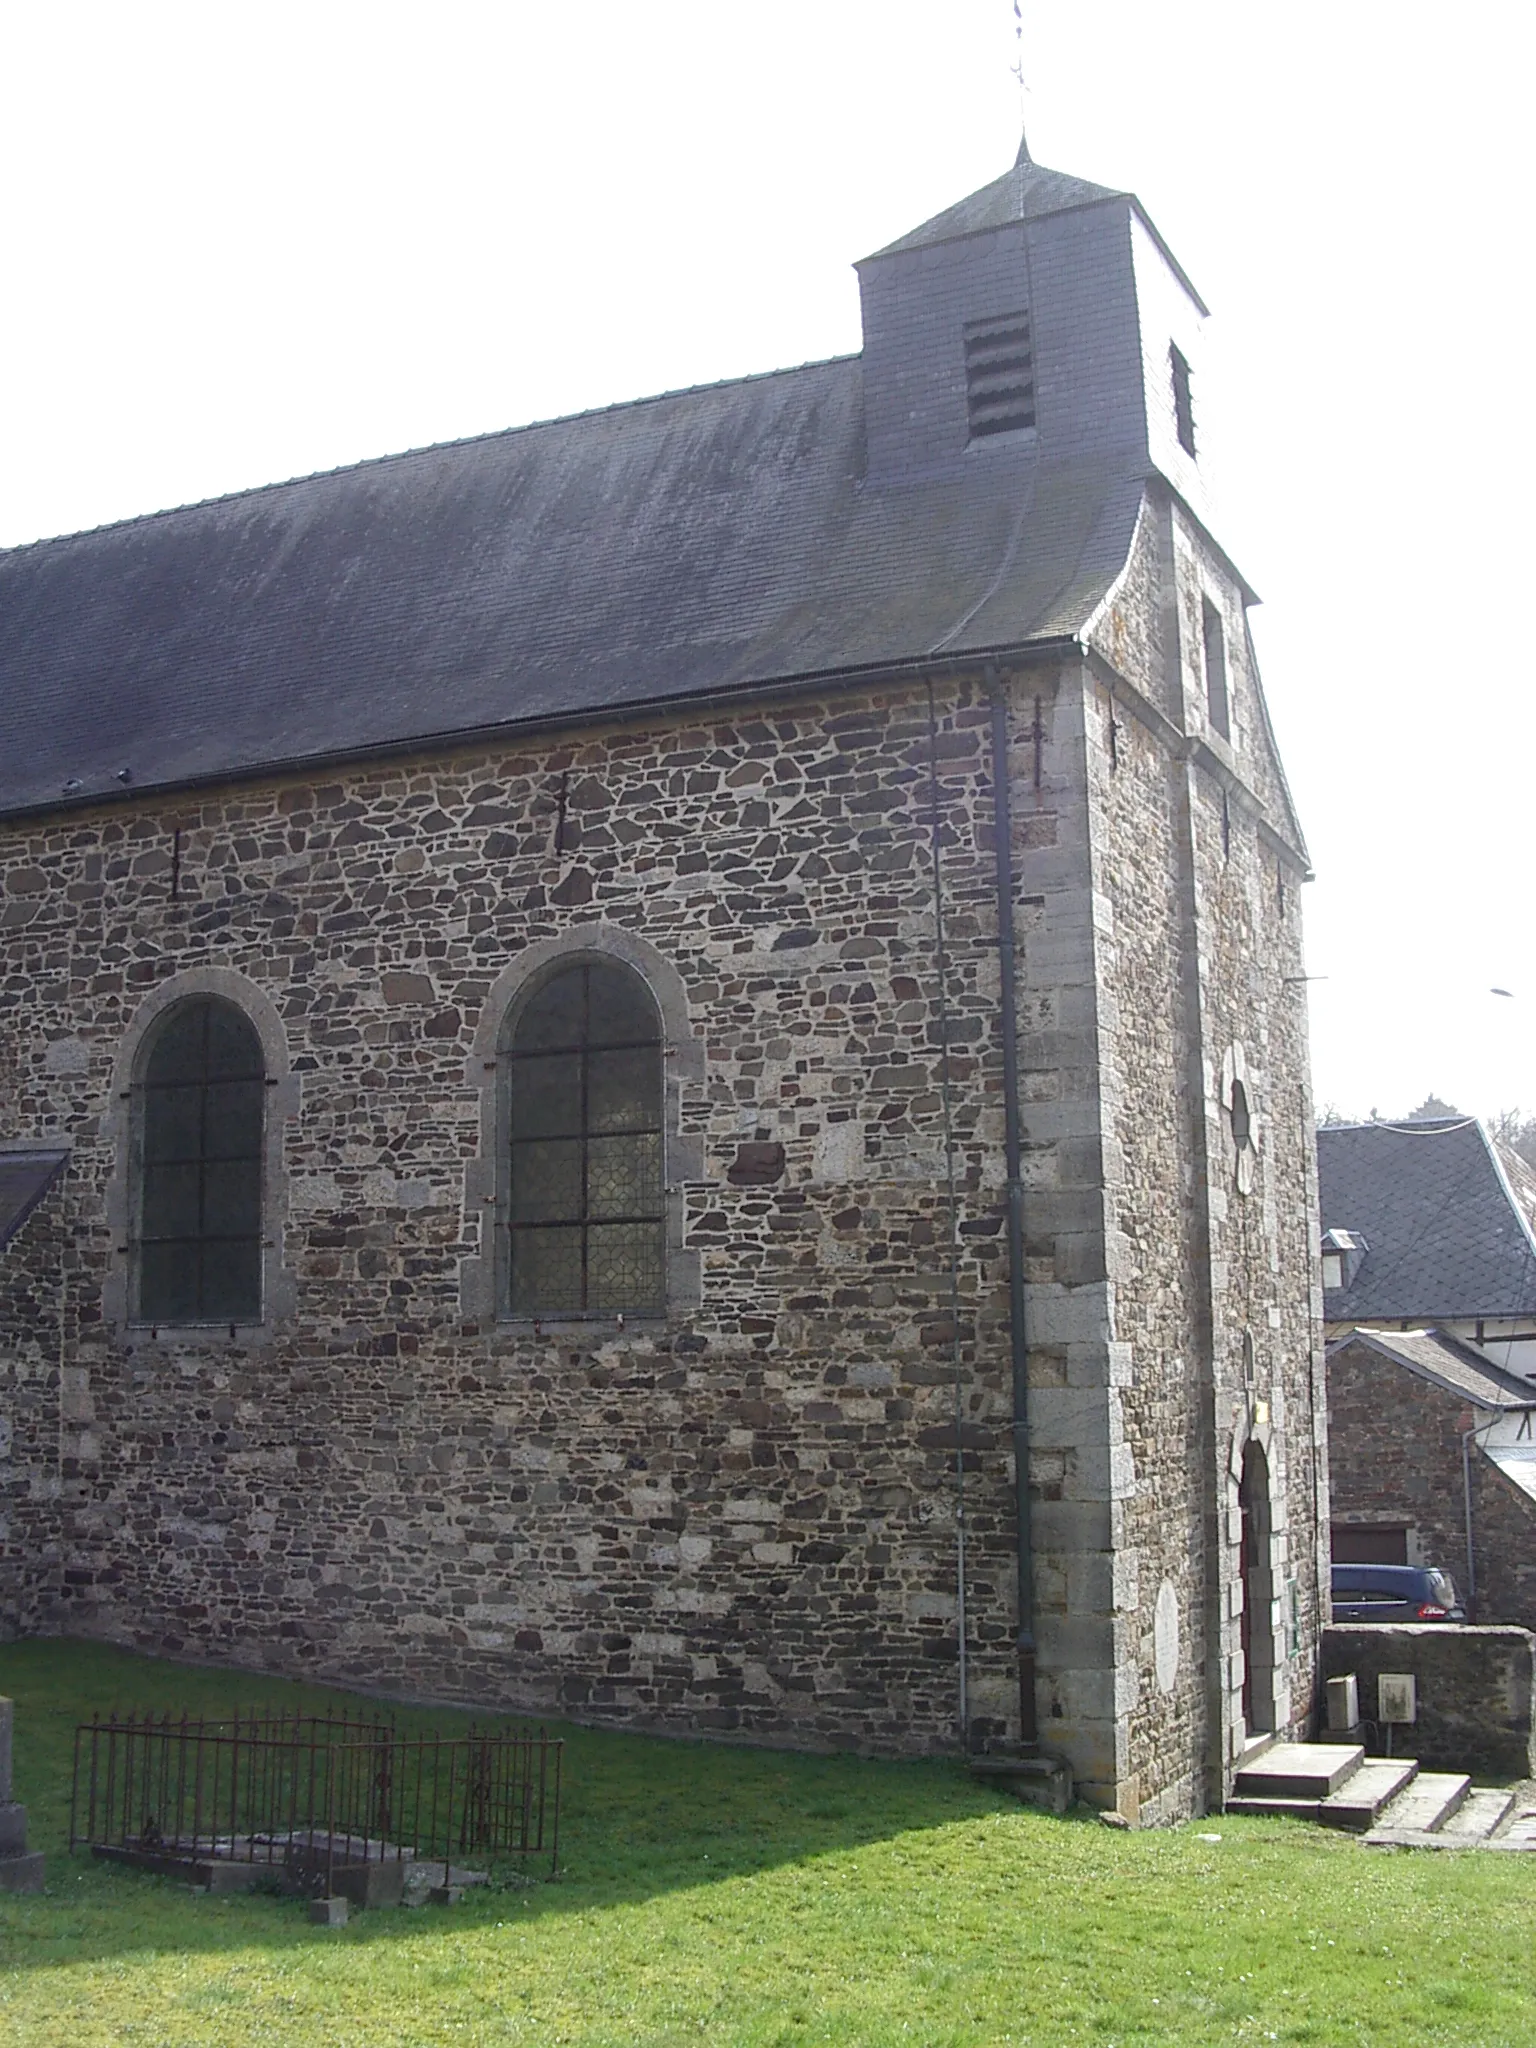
x=641, y=1816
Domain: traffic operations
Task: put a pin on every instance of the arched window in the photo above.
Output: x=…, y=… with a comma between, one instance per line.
x=581, y=1206
x=199, y=1104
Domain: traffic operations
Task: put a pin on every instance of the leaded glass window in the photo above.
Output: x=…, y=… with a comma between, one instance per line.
x=200, y=1104
x=582, y=1211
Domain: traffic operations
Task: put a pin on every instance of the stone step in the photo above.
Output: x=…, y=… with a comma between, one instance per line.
x=1480, y=1816
x=1277, y=1808
x=1305, y=1771
x=1366, y=1793
x=1035, y=1780
x=1520, y=1832
x=1424, y=1809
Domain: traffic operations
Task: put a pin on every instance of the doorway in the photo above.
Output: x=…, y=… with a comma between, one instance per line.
x=1258, y=1636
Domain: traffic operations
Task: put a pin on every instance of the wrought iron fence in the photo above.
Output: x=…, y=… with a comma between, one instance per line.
x=323, y=1804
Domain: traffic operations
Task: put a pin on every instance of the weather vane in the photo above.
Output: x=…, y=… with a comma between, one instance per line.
x=1017, y=68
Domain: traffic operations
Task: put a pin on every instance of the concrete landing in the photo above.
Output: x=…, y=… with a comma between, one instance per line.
x=1299, y=1771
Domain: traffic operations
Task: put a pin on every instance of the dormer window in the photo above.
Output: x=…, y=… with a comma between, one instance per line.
x=1183, y=405
x=1343, y=1255
x=999, y=375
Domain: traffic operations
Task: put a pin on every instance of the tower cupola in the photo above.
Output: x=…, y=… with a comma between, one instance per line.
x=1042, y=320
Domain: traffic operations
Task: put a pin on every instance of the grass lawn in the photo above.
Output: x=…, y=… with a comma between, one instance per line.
x=749, y=1897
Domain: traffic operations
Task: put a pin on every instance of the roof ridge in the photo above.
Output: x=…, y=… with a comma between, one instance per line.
x=1409, y=1127
x=310, y=476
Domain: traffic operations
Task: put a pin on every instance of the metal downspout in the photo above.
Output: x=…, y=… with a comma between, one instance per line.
x=1466, y=1500
x=1002, y=814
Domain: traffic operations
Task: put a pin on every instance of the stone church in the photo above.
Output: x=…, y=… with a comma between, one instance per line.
x=608, y=1032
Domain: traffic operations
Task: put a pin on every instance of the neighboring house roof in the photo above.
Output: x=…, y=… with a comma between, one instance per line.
x=1456, y=1367
x=678, y=547
x=1517, y=1462
x=25, y=1177
x=1447, y=1214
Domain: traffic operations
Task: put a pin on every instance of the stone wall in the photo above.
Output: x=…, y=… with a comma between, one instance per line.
x=1474, y=1691
x=740, y=1518
x=39, y=1318
x=1395, y=1460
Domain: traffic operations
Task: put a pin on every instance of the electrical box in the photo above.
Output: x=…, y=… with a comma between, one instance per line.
x=1343, y=1704
x=1397, y=1698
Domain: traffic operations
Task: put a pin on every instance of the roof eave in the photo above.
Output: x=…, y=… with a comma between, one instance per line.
x=914, y=668
x=1377, y=1341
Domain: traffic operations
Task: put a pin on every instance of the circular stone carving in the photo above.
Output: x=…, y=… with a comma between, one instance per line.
x=1165, y=1636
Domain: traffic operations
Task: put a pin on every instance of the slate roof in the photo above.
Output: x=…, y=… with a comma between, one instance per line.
x=1456, y=1367
x=1450, y=1219
x=1026, y=191
x=684, y=546
x=1516, y=1461
x=25, y=1177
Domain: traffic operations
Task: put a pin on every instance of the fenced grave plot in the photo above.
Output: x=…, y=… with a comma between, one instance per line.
x=322, y=1806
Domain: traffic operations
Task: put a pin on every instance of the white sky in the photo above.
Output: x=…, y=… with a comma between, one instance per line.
x=247, y=241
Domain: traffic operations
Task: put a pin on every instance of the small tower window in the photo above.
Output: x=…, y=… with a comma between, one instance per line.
x=1183, y=405
x=999, y=374
x=1216, y=669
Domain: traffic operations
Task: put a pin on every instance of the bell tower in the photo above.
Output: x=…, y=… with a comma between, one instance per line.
x=1042, y=322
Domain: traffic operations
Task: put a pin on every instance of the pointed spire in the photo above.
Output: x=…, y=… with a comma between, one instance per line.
x=1023, y=156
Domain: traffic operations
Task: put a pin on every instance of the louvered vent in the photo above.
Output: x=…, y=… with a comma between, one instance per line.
x=1183, y=403
x=999, y=374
